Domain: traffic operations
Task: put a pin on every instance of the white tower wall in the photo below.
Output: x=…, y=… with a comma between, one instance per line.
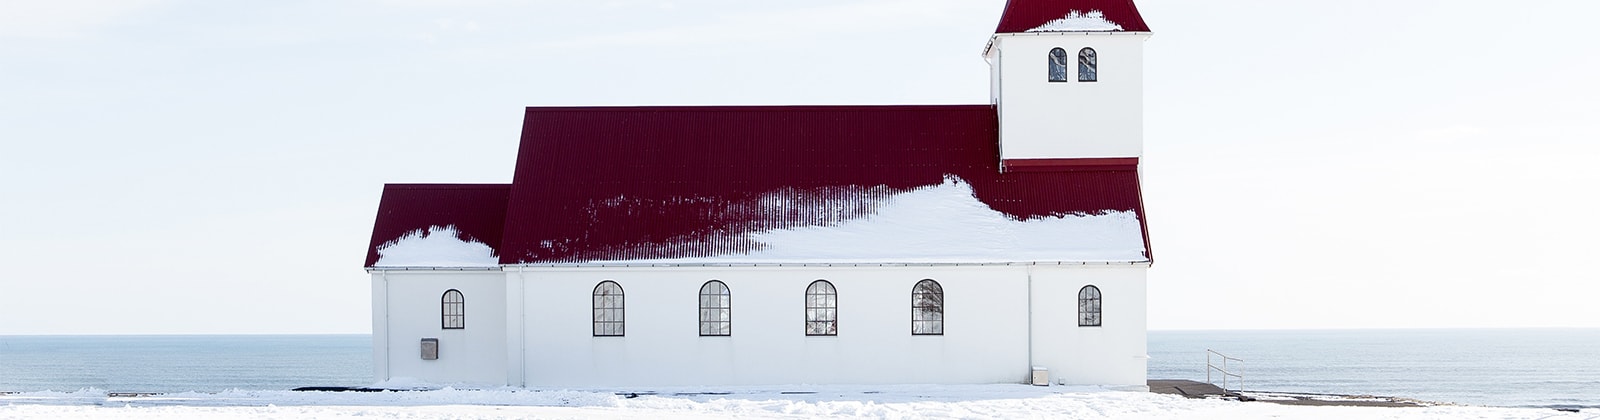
x=1040, y=119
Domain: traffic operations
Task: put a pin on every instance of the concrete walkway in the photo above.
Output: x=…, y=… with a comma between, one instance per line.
x=1187, y=388
x=1196, y=389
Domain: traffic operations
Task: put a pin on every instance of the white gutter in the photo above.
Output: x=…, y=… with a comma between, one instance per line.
x=990, y=45
x=387, y=269
x=908, y=264
x=744, y=265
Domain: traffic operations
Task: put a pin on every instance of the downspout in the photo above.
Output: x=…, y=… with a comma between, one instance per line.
x=522, y=307
x=387, y=328
x=1030, y=320
x=999, y=110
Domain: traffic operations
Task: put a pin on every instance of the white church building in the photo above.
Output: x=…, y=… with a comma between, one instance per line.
x=767, y=245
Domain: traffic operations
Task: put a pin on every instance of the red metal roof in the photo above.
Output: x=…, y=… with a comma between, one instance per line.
x=478, y=211
x=623, y=183
x=1022, y=15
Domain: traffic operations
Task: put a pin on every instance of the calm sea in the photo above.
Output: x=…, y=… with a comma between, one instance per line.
x=1509, y=368
x=1542, y=368
x=183, y=363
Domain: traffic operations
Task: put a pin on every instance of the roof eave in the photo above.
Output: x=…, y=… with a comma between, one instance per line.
x=826, y=265
x=375, y=269
x=988, y=47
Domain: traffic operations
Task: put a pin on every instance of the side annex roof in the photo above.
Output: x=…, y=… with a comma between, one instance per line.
x=477, y=212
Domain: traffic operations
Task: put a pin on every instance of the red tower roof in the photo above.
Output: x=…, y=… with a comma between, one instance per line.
x=1022, y=15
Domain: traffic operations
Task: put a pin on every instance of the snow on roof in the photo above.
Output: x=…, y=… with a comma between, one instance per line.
x=1074, y=21
x=691, y=183
x=1071, y=15
x=438, y=246
x=942, y=223
x=476, y=212
x=678, y=183
x=773, y=183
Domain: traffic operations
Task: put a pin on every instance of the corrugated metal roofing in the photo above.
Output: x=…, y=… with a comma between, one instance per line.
x=1022, y=15
x=622, y=183
x=478, y=212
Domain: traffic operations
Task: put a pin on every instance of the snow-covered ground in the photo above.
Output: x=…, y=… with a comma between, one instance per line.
x=972, y=401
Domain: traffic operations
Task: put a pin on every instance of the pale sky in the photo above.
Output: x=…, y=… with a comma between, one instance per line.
x=187, y=166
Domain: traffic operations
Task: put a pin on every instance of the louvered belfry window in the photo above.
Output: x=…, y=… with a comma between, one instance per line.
x=927, y=308
x=822, y=309
x=716, y=309
x=609, y=314
x=1089, y=306
x=452, y=310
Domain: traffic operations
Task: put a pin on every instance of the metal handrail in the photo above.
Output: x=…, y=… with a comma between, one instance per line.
x=1225, y=369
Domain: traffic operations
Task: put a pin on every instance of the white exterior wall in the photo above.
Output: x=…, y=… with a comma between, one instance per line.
x=406, y=309
x=531, y=326
x=985, y=337
x=1040, y=119
x=1111, y=354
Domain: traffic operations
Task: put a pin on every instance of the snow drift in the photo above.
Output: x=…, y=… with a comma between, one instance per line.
x=1094, y=20
x=943, y=223
x=438, y=246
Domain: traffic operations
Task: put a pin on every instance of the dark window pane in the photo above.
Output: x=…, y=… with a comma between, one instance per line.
x=1089, y=306
x=452, y=310
x=715, y=309
x=608, y=309
x=1088, y=65
x=1058, y=65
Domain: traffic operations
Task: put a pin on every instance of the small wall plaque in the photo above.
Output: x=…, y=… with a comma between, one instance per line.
x=430, y=349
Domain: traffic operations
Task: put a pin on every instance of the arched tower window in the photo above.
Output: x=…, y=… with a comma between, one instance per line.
x=1058, y=65
x=822, y=309
x=609, y=316
x=1088, y=65
x=927, y=308
x=452, y=310
x=1089, y=306
x=716, y=310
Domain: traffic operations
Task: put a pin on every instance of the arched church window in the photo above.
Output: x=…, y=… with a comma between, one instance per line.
x=1089, y=306
x=822, y=309
x=927, y=308
x=452, y=310
x=716, y=309
x=609, y=317
x=1088, y=65
x=1058, y=65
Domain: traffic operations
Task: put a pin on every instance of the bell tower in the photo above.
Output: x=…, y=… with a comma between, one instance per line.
x=1067, y=78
